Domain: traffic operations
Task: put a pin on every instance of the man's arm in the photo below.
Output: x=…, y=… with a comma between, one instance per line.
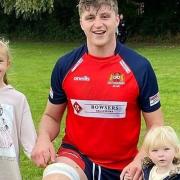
x=134, y=169
x=44, y=152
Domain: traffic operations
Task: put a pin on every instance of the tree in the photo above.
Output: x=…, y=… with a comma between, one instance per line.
x=27, y=8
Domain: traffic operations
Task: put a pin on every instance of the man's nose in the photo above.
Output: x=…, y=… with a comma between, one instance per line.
x=97, y=22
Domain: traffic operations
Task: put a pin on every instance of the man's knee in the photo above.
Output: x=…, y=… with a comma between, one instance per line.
x=61, y=169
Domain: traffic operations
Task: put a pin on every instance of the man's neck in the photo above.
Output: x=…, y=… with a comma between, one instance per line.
x=102, y=51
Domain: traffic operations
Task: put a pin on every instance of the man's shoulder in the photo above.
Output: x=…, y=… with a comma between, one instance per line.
x=129, y=53
x=66, y=62
x=74, y=54
x=133, y=58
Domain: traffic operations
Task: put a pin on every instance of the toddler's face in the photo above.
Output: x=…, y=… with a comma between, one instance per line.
x=162, y=156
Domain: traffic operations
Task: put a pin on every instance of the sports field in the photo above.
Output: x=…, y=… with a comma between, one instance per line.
x=31, y=68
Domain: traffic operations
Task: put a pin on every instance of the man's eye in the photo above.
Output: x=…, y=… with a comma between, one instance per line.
x=105, y=17
x=89, y=18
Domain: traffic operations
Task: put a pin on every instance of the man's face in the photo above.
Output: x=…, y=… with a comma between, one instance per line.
x=99, y=25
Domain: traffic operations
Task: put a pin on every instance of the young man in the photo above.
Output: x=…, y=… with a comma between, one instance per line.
x=105, y=87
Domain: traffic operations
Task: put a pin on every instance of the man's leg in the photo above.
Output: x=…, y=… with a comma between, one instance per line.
x=64, y=169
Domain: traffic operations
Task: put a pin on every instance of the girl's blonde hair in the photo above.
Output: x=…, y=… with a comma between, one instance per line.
x=162, y=136
x=5, y=45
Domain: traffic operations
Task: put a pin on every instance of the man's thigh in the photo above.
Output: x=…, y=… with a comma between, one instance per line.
x=64, y=169
x=79, y=167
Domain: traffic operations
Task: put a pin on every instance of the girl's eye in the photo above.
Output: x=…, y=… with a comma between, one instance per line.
x=154, y=150
x=166, y=149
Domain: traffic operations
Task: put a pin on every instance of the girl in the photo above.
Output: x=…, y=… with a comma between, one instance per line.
x=16, y=124
x=163, y=150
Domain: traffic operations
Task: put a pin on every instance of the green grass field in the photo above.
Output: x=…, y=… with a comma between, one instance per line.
x=31, y=68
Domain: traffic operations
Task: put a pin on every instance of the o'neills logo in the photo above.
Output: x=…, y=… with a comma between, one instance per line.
x=81, y=78
x=116, y=79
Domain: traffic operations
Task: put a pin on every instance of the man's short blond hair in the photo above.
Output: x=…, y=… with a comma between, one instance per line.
x=86, y=4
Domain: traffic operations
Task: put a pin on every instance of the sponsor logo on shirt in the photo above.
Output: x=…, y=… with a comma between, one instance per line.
x=116, y=79
x=154, y=99
x=81, y=78
x=77, y=107
x=99, y=109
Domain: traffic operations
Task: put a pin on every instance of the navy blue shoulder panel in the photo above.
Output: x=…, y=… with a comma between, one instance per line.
x=61, y=68
x=145, y=77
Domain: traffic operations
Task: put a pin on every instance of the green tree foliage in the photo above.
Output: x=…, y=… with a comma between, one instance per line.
x=27, y=8
x=59, y=19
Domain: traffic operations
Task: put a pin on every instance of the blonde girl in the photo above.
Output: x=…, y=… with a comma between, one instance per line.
x=16, y=124
x=162, y=147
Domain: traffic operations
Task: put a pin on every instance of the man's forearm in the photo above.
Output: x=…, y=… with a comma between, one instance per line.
x=49, y=128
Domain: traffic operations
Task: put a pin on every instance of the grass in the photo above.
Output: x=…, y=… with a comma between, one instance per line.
x=31, y=68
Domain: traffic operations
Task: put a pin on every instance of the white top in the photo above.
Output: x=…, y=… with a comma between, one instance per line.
x=157, y=176
x=16, y=129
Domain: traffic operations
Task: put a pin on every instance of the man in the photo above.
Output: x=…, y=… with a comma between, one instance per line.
x=105, y=87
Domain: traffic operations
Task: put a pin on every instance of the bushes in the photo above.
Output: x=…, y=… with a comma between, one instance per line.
x=63, y=24
x=47, y=28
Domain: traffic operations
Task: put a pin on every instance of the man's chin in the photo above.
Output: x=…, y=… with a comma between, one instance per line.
x=100, y=43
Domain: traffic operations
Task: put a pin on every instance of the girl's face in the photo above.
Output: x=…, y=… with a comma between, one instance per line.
x=162, y=156
x=4, y=64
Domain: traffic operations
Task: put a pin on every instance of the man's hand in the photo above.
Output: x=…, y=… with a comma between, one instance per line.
x=43, y=153
x=132, y=171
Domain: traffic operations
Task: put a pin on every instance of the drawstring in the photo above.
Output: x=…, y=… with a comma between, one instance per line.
x=99, y=172
x=99, y=176
x=93, y=171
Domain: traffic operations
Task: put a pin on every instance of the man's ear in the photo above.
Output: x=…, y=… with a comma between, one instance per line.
x=118, y=20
